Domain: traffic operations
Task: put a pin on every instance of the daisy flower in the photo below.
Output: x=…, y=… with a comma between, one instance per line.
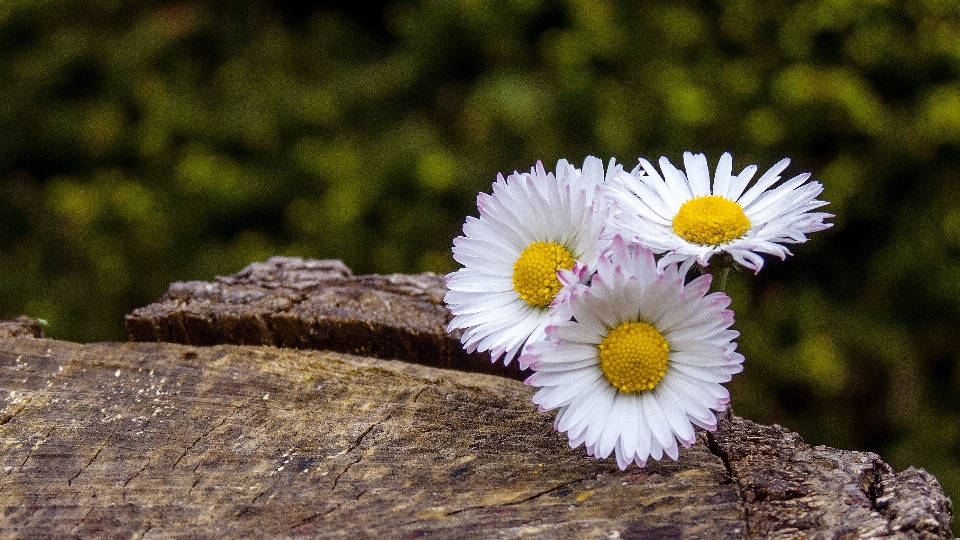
x=687, y=219
x=536, y=240
x=641, y=362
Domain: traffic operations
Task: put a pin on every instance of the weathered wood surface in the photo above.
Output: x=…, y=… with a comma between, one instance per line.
x=21, y=327
x=793, y=490
x=151, y=440
x=140, y=440
x=311, y=304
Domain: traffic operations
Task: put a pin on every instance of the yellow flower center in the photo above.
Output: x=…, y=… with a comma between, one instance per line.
x=710, y=220
x=633, y=357
x=535, y=272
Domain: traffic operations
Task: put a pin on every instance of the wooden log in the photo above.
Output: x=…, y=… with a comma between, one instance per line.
x=203, y=439
x=148, y=440
x=152, y=440
x=310, y=304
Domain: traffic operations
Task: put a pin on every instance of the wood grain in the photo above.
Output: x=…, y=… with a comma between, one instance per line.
x=311, y=304
x=144, y=440
x=252, y=425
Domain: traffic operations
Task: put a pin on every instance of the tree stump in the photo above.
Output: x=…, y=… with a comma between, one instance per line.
x=151, y=440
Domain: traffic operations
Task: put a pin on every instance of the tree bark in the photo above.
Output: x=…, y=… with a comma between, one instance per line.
x=151, y=440
x=21, y=327
x=310, y=304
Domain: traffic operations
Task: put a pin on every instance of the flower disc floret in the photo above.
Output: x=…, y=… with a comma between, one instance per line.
x=710, y=220
x=535, y=272
x=633, y=357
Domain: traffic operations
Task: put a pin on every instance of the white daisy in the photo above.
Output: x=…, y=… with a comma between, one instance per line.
x=532, y=226
x=641, y=362
x=689, y=220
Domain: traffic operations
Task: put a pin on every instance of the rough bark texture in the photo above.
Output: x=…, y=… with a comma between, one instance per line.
x=793, y=490
x=21, y=327
x=148, y=440
x=310, y=304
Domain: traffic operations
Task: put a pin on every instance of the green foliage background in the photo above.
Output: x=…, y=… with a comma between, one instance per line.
x=149, y=142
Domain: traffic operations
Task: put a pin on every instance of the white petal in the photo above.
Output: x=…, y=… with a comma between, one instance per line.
x=551, y=397
x=768, y=179
x=739, y=182
x=675, y=415
x=619, y=415
x=721, y=181
x=657, y=183
x=659, y=426
x=698, y=173
x=583, y=405
x=702, y=373
x=474, y=303
x=599, y=415
x=676, y=181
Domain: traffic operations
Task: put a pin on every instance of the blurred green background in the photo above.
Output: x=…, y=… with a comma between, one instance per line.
x=150, y=142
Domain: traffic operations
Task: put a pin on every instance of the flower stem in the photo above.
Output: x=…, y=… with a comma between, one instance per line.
x=724, y=274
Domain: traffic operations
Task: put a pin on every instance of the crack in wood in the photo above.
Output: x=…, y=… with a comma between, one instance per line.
x=186, y=450
x=343, y=472
x=356, y=445
x=7, y=417
x=716, y=450
x=203, y=435
x=95, y=454
x=24, y=462
x=255, y=498
x=306, y=520
x=195, y=482
x=136, y=474
x=314, y=516
x=82, y=521
x=528, y=498
x=871, y=484
x=366, y=432
x=30, y=452
x=246, y=509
